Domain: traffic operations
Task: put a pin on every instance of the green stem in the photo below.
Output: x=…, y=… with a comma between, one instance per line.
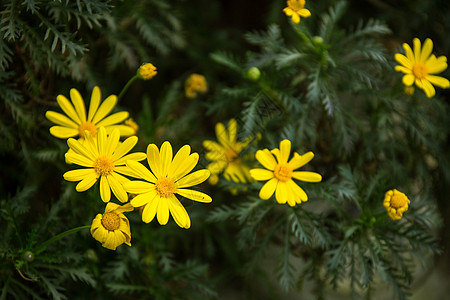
x=125, y=88
x=44, y=245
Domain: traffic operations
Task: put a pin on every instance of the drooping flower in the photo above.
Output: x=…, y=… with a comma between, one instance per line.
x=225, y=155
x=420, y=65
x=112, y=228
x=168, y=176
x=76, y=122
x=147, y=71
x=103, y=157
x=396, y=203
x=280, y=174
x=195, y=83
x=296, y=9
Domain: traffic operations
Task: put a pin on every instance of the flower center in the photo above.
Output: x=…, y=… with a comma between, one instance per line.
x=89, y=127
x=231, y=155
x=398, y=201
x=420, y=71
x=296, y=5
x=283, y=172
x=165, y=187
x=111, y=221
x=104, y=166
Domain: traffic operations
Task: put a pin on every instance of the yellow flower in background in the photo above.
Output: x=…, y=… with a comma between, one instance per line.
x=420, y=65
x=296, y=9
x=131, y=123
x=76, y=122
x=396, y=203
x=224, y=156
x=147, y=71
x=280, y=173
x=103, y=157
x=195, y=83
x=168, y=176
x=112, y=228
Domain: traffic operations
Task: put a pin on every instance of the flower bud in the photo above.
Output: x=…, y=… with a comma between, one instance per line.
x=253, y=74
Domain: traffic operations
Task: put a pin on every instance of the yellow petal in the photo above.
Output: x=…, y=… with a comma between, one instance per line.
x=140, y=171
x=124, y=130
x=154, y=161
x=409, y=54
x=427, y=48
x=193, y=178
x=178, y=160
x=63, y=132
x=113, y=119
x=67, y=107
x=299, y=161
x=285, y=151
x=124, y=148
x=266, y=159
x=305, y=13
x=297, y=191
x=222, y=135
x=125, y=170
x=401, y=59
x=213, y=146
x=217, y=167
x=179, y=213
x=194, y=195
x=403, y=69
x=427, y=87
x=165, y=155
x=268, y=189
x=436, y=66
x=111, y=142
x=261, y=174
x=138, y=187
x=105, y=191
x=417, y=49
x=295, y=18
x=289, y=12
x=307, y=176
x=105, y=108
x=78, y=102
x=95, y=102
x=282, y=193
x=78, y=159
x=86, y=183
x=232, y=131
x=408, y=79
x=79, y=174
x=60, y=119
x=186, y=166
x=149, y=212
x=117, y=188
x=163, y=211
x=136, y=156
x=101, y=140
x=439, y=81
x=79, y=148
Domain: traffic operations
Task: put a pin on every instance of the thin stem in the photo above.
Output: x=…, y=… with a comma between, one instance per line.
x=125, y=88
x=44, y=245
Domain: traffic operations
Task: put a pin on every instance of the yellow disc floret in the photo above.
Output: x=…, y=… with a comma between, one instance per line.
x=89, y=126
x=104, y=166
x=165, y=187
x=283, y=172
x=111, y=221
x=420, y=71
x=396, y=203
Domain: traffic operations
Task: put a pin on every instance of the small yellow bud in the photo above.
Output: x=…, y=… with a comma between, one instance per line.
x=253, y=74
x=147, y=71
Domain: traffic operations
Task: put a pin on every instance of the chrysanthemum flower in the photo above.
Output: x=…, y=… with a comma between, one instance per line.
x=147, y=71
x=296, y=9
x=396, y=203
x=103, y=158
x=420, y=64
x=195, y=83
x=224, y=156
x=75, y=123
x=167, y=177
x=112, y=228
x=280, y=174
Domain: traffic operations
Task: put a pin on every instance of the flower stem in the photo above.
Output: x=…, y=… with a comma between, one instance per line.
x=44, y=245
x=125, y=88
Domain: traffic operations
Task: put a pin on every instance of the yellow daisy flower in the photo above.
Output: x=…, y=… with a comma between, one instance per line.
x=296, y=9
x=280, y=173
x=420, y=64
x=396, y=203
x=112, y=228
x=103, y=157
x=168, y=177
x=75, y=122
x=195, y=83
x=224, y=156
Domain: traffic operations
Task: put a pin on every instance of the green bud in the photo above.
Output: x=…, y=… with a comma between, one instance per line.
x=253, y=74
x=318, y=40
x=28, y=256
x=91, y=255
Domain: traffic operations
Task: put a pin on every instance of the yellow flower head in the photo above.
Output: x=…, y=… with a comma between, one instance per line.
x=224, y=156
x=168, y=176
x=396, y=203
x=131, y=123
x=112, y=228
x=103, y=157
x=280, y=174
x=296, y=9
x=195, y=83
x=75, y=122
x=420, y=65
x=147, y=71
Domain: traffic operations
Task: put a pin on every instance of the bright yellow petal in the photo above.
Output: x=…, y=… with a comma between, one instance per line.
x=78, y=159
x=179, y=213
x=186, y=166
x=295, y=18
x=91, y=143
x=193, y=178
x=427, y=48
x=288, y=11
x=232, y=131
x=297, y=191
x=436, y=65
x=113, y=119
x=194, y=195
x=299, y=161
x=125, y=170
x=95, y=102
x=222, y=135
x=163, y=211
x=105, y=108
x=86, y=183
x=439, y=81
x=100, y=233
x=140, y=171
x=268, y=189
x=408, y=79
x=63, y=132
x=138, y=187
x=285, y=151
x=143, y=199
x=178, y=160
x=117, y=188
x=79, y=148
x=426, y=86
x=78, y=174
x=403, y=69
x=67, y=107
x=305, y=13
x=166, y=155
x=60, y=119
x=405, y=62
x=101, y=140
x=124, y=148
x=136, y=156
x=417, y=49
x=409, y=54
x=105, y=191
x=307, y=176
x=282, y=193
x=124, y=130
x=154, y=161
x=261, y=174
x=149, y=212
x=78, y=102
x=266, y=159
x=111, y=142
